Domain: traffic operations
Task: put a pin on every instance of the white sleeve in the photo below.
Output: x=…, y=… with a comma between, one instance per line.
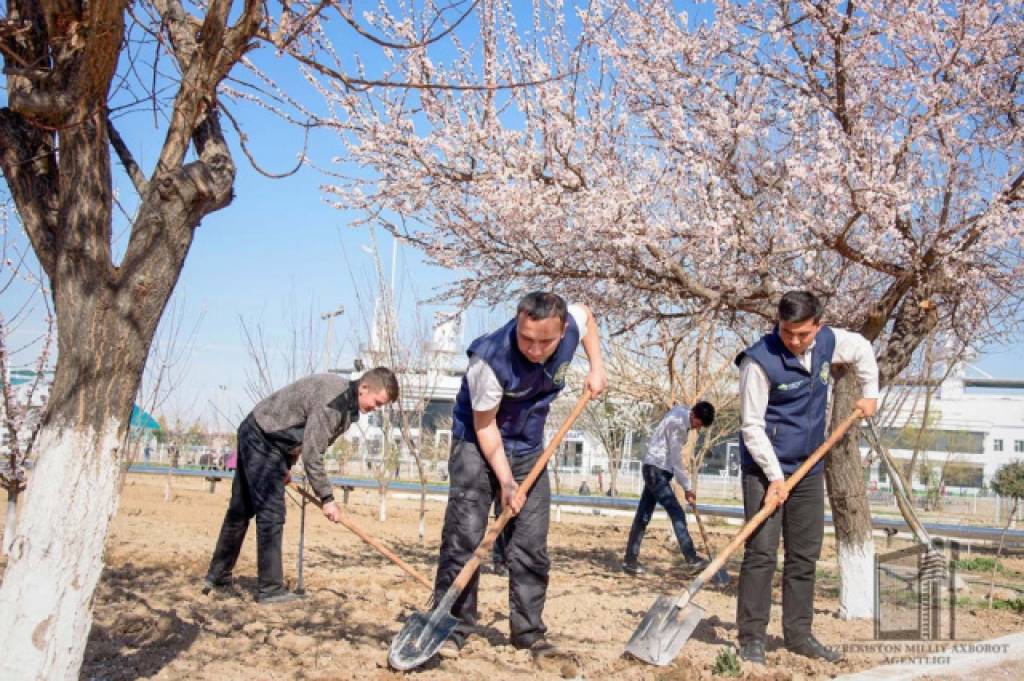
x=579, y=314
x=485, y=392
x=677, y=432
x=754, y=389
x=853, y=348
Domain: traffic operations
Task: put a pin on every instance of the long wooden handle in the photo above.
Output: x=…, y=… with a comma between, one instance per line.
x=495, y=529
x=383, y=550
x=700, y=524
x=769, y=507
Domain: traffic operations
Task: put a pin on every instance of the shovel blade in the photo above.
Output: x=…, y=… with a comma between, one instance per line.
x=663, y=631
x=420, y=639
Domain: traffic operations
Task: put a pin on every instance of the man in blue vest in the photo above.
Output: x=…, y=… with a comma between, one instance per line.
x=514, y=375
x=784, y=389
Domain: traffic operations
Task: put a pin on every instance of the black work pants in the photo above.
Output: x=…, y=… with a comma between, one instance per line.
x=257, y=491
x=801, y=521
x=658, y=490
x=473, y=488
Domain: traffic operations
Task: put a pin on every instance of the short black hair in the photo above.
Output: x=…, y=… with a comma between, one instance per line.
x=542, y=305
x=799, y=306
x=705, y=412
x=381, y=377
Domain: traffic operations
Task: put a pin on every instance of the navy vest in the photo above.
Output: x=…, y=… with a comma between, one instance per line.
x=529, y=388
x=797, y=399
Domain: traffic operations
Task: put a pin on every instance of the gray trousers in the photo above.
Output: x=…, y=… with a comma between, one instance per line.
x=473, y=488
x=801, y=521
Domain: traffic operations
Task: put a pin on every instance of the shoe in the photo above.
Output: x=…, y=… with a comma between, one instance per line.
x=697, y=564
x=282, y=597
x=753, y=651
x=500, y=569
x=814, y=649
x=633, y=568
x=210, y=585
x=449, y=650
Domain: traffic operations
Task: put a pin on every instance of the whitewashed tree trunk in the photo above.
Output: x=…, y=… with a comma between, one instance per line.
x=856, y=579
x=57, y=555
x=10, y=520
x=382, y=511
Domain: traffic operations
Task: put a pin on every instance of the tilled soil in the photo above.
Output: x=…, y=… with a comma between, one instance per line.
x=152, y=622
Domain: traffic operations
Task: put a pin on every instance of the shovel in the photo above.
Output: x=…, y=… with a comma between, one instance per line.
x=423, y=634
x=721, y=577
x=383, y=550
x=668, y=624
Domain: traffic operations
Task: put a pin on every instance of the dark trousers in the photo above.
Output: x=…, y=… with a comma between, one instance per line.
x=802, y=523
x=257, y=491
x=658, y=490
x=473, y=488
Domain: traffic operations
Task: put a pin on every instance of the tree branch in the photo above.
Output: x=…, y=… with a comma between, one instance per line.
x=126, y=158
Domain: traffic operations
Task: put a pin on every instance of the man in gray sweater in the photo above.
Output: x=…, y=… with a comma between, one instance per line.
x=303, y=418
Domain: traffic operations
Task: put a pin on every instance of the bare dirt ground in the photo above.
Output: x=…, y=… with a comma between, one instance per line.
x=152, y=622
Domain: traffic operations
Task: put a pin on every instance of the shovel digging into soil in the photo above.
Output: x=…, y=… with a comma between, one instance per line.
x=423, y=633
x=667, y=625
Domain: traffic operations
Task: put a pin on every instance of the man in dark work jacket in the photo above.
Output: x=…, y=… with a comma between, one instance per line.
x=304, y=417
x=784, y=389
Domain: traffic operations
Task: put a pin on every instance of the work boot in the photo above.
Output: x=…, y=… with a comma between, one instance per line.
x=222, y=585
x=814, y=649
x=753, y=652
x=696, y=564
x=633, y=568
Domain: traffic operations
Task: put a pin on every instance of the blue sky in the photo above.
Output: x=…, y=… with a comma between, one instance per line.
x=279, y=253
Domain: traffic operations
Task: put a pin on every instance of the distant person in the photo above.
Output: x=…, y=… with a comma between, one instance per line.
x=784, y=389
x=147, y=453
x=584, y=489
x=663, y=459
x=303, y=418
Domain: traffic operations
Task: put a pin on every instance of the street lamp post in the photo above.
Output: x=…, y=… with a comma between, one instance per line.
x=329, y=318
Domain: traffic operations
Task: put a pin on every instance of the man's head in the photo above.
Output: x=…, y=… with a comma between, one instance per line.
x=376, y=388
x=702, y=415
x=799, y=320
x=540, y=325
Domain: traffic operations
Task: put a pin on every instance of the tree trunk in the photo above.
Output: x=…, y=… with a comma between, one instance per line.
x=57, y=552
x=382, y=507
x=999, y=551
x=10, y=520
x=851, y=513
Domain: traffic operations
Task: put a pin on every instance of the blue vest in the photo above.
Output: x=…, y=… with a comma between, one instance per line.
x=529, y=388
x=797, y=399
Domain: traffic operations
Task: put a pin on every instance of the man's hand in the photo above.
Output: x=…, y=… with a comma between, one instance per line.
x=596, y=381
x=287, y=477
x=868, y=405
x=776, y=490
x=332, y=512
x=509, y=499
x=691, y=496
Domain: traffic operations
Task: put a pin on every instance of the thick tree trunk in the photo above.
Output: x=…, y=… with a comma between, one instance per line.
x=851, y=513
x=10, y=519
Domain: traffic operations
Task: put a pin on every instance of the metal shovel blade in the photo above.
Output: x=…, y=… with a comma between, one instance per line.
x=420, y=639
x=664, y=630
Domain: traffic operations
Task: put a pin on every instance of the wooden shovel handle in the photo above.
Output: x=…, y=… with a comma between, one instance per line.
x=495, y=529
x=356, y=530
x=771, y=505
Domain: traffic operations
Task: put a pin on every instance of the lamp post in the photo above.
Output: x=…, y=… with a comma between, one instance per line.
x=329, y=318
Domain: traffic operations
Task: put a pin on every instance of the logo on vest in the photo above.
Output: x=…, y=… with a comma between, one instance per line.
x=559, y=377
x=789, y=386
x=824, y=373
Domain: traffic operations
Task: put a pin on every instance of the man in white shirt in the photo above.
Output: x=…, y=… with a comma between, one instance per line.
x=784, y=392
x=514, y=375
x=664, y=458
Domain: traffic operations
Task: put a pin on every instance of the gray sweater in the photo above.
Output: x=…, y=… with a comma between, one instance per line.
x=311, y=412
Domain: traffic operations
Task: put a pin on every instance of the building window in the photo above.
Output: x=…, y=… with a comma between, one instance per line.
x=1018, y=445
x=997, y=445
